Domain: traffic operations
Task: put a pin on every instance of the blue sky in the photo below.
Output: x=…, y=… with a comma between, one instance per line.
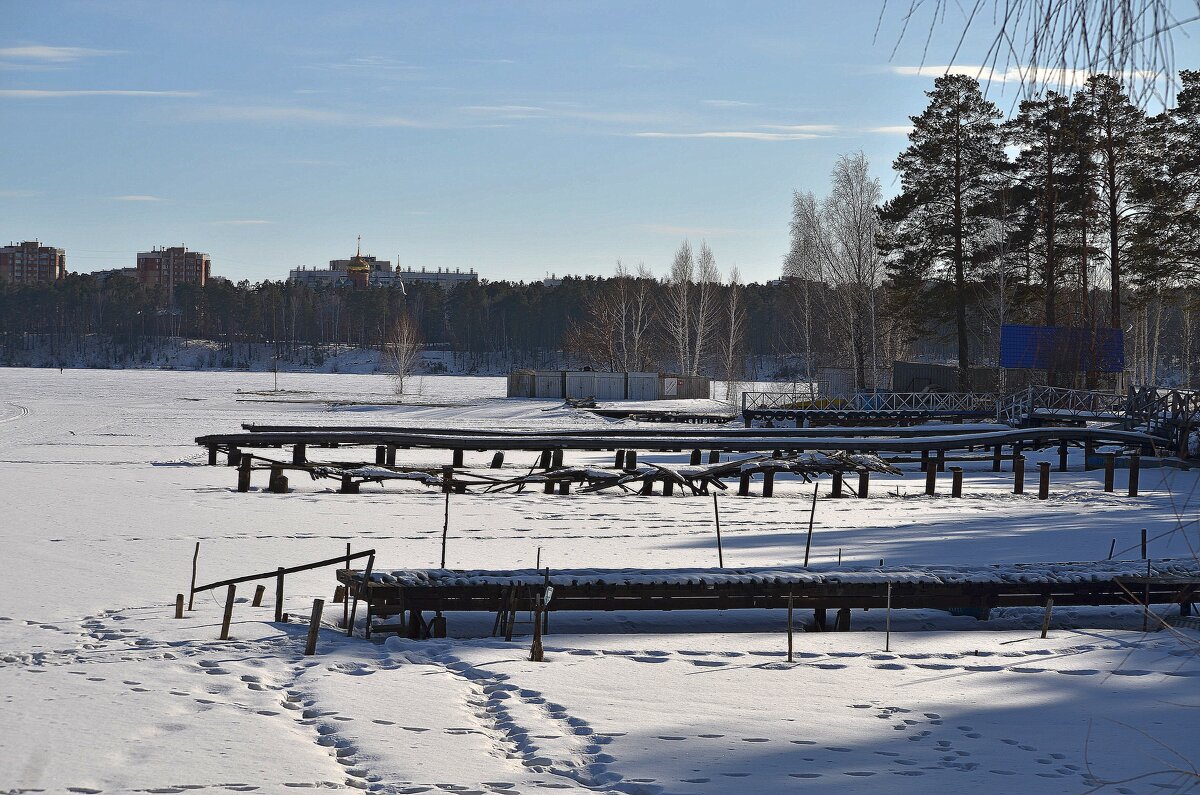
x=514, y=138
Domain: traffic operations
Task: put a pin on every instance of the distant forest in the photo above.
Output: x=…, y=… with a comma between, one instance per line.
x=1079, y=210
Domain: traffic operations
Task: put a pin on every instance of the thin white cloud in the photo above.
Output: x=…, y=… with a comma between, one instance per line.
x=29, y=93
x=745, y=135
x=377, y=66
x=507, y=111
x=890, y=129
x=244, y=222
x=726, y=103
x=303, y=115
x=1046, y=75
x=139, y=197
x=803, y=128
x=12, y=193
x=491, y=60
x=47, y=54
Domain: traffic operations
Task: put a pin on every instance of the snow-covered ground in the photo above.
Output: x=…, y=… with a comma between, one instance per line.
x=104, y=496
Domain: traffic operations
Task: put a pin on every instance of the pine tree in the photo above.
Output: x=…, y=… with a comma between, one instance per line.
x=938, y=224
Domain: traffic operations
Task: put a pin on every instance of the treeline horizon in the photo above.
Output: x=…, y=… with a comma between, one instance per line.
x=1080, y=210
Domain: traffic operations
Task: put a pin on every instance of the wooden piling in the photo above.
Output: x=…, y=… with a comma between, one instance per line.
x=631, y=459
x=697, y=457
x=744, y=484
x=179, y=605
x=842, y=622
x=278, y=483
x=1144, y=546
x=314, y=628
x=1043, y=480
x=549, y=487
x=243, y=482
x=380, y=455
x=1062, y=456
x=225, y=619
x=714, y=456
x=498, y=460
x=544, y=460
x=259, y=590
x=192, y=590
x=956, y=481
x=619, y=463
x=279, y=596
x=556, y=459
x=1110, y=467
x=564, y=487
x=391, y=455
x=212, y=455
x=1135, y=469
x=864, y=483
x=1046, y=616
x=941, y=460
x=339, y=595
x=789, y=627
x=924, y=460
x=996, y=453
x=536, y=653
x=837, y=485
x=298, y=453
x=820, y=619
x=458, y=458
x=1018, y=474
x=447, y=479
x=931, y=480
x=768, y=489
x=234, y=457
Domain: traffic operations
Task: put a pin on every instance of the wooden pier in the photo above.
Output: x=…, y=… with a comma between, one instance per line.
x=411, y=593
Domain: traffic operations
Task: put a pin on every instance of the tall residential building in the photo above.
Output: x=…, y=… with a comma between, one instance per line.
x=168, y=267
x=30, y=262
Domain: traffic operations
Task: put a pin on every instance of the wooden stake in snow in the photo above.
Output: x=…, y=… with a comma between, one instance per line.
x=228, y=613
x=192, y=591
x=535, y=651
x=789, y=626
x=812, y=512
x=314, y=627
x=445, y=528
x=1112, y=548
x=1046, y=617
x=259, y=590
x=887, y=622
x=717, y=517
x=179, y=605
x=279, y=596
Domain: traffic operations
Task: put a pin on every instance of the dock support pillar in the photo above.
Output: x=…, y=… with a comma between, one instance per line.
x=564, y=487
x=414, y=624
x=212, y=455
x=544, y=461
x=380, y=455
x=299, y=454
x=837, y=485
x=931, y=480
x=619, y=463
x=768, y=483
x=437, y=627
x=1110, y=469
x=498, y=460
x=391, y=455
x=842, y=622
x=1043, y=480
x=820, y=622
x=956, y=481
x=556, y=460
x=696, y=458
x=744, y=484
x=1135, y=470
x=278, y=484
x=244, y=474
x=996, y=453
x=234, y=458
x=1018, y=474
x=864, y=484
x=1062, y=456
x=668, y=487
x=631, y=459
x=714, y=456
x=924, y=460
x=941, y=460
x=458, y=458
x=348, y=485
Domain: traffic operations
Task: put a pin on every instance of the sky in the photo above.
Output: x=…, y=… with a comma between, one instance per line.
x=519, y=139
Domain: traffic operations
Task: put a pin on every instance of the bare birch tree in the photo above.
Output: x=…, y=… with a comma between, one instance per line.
x=403, y=351
x=733, y=336
x=677, y=306
x=708, y=280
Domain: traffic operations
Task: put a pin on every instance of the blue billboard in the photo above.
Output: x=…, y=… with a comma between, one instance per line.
x=1062, y=349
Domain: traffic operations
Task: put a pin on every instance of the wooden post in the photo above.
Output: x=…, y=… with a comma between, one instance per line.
x=278, y=484
x=192, y=590
x=414, y=624
x=1089, y=450
x=314, y=627
x=279, y=596
x=1110, y=467
x=556, y=459
x=744, y=484
x=535, y=650
x=179, y=605
x=996, y=452
x=842, y=622
x=1062, y=456
x=956, y=481
x=812, y=514
x=498, y=460
x=447, y=479
x=339, y=595
x=544, y=460
x=714, y=456
x=298, y=453
x=768, y=483
x=837, y=485
x=437, y=626
x=244, y=473
x=212, y=455
x=696, y=458
x=564, y=487
x=549, y=487
x=631, y=459
x=1144, y=550
x=234, y=457
x=380, y=455
x=512, y=613
x=445, y=529
x=864, y=483
x=1135, y=468
x=1046, y=616
x=1112, y=548
x=1018, y=474
x=931, y=480
x=619, y=463
x=647, y=486
x=348, y=485
x=1043, y=480
x=941, y=460
x=346, y=596
x=717, y=519
x=458, y=458
x=924, y=460
x=391, y=455
x=259, y=590
x=228, y=612
x=366, y=581
x=887, y=621
x=789, y=626
x=820, y=620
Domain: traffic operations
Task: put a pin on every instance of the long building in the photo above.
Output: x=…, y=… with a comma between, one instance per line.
x=364, y=270
x=167, y=267
x=31, y=262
